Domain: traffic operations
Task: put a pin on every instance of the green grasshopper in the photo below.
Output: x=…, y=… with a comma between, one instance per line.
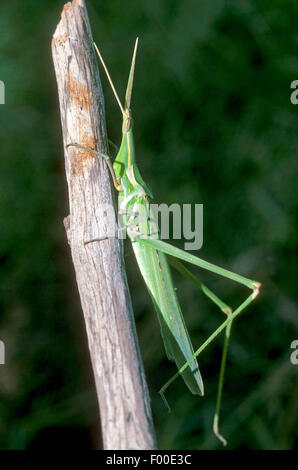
x=154, y=256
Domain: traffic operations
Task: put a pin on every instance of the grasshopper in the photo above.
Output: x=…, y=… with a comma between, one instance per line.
x=154, y=257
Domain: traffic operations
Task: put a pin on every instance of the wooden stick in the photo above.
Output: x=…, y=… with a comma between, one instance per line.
x=119, y=376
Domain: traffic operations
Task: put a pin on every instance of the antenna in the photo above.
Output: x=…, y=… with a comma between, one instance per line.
x=109, y=78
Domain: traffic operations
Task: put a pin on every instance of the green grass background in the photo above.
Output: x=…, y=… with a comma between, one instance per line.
x=214, y=125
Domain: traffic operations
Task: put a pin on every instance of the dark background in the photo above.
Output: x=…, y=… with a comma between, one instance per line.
x=214, y=125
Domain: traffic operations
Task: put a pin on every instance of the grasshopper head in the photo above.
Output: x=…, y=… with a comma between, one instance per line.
x=130, y=77
x=127, y=117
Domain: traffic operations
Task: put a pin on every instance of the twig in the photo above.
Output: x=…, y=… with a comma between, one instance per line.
x=121, y=387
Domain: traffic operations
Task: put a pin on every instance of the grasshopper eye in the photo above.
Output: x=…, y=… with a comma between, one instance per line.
x=127, y=124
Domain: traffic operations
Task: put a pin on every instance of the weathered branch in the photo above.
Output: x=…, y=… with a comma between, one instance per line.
x=121, y=388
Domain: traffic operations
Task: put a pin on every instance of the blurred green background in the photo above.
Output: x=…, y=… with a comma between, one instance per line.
x=214, y=125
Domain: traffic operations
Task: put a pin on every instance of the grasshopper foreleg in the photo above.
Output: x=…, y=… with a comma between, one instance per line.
x=116, y=182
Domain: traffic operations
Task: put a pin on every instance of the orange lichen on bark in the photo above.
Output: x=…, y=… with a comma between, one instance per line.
x=66, y=7
x=78, y=92
x=60, y=39
x=80, y=157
